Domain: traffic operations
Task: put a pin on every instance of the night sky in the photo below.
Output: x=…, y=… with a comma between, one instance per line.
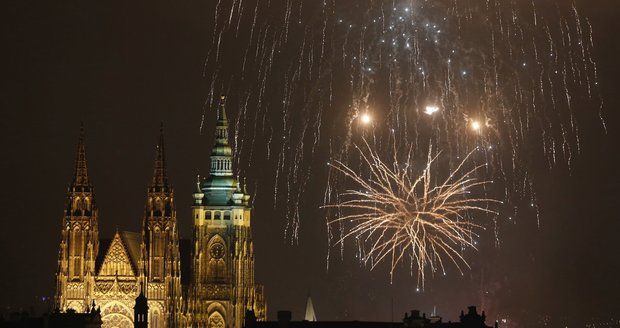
x=122, y=67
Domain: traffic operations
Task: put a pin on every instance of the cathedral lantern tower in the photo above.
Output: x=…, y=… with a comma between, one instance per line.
x=160, y=264
x=80, y=239
x=223, y=286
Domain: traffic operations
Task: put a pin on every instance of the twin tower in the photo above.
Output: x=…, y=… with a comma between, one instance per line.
x=205, y=281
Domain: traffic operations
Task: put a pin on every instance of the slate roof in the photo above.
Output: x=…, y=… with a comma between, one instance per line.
x=104, y=244
x=132, y=241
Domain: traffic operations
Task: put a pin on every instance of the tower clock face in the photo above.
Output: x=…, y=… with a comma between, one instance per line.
x=217, y=251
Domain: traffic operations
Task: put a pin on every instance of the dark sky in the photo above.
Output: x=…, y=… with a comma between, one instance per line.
x=122, y=67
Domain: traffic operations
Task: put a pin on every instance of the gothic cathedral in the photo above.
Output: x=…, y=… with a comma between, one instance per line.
x=207, y=281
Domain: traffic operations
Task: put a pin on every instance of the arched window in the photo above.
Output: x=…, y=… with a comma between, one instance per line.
x=158, y=253
x=216, y=270
x=221, y=270
x=76, y=253
x=155, y=319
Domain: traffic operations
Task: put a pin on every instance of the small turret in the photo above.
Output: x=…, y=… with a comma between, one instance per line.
x=140, y=312
x=246, y=196
x=238, y=195
x=198, y=195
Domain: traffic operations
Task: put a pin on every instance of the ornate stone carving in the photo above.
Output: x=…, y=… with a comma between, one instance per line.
x=216, y=321
x=217, y=291
x=115, y=320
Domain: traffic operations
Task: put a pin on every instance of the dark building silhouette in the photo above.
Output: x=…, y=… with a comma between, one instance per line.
x=69, y=319
x=141, y=312
x=411, y=320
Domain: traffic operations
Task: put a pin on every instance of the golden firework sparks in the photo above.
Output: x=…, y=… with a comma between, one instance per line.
x=397, y=212
x=431, y=109
x=366, y=118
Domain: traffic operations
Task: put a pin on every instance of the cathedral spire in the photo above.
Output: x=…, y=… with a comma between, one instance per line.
x=160, y=174
x=310, y=315
x=221, y=155
x=80, y=175
x=80, y=234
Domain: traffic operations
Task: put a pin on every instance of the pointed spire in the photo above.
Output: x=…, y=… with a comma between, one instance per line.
x=198, y=183
x=80, y=175
x=221, y=110
x=221, y=128
x=160, y=174
x=198, y=195
x=310, y=315
x=221, y=155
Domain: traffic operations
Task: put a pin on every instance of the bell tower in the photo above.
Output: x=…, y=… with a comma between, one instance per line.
x=80, y=239
x=223, y=287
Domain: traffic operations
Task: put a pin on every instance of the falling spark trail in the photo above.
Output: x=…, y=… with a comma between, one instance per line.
x=302, y=71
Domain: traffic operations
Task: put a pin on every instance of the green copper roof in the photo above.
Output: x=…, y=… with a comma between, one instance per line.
x=221, y=184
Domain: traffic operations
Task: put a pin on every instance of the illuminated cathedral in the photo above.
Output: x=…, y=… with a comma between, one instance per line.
x=205, y=281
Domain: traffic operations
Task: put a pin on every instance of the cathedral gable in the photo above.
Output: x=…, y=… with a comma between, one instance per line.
x=117, y=260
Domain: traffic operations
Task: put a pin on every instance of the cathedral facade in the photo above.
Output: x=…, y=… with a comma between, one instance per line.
x=204, y=281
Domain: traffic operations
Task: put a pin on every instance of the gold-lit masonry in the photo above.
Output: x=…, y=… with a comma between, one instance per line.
x=207, y=281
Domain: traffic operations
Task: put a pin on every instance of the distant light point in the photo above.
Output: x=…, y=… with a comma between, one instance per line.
x=475, y=125
x=430, y=110
x=366, y=118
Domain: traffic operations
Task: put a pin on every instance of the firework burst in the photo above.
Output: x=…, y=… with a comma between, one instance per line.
x=515, y=78
x=398, y=213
